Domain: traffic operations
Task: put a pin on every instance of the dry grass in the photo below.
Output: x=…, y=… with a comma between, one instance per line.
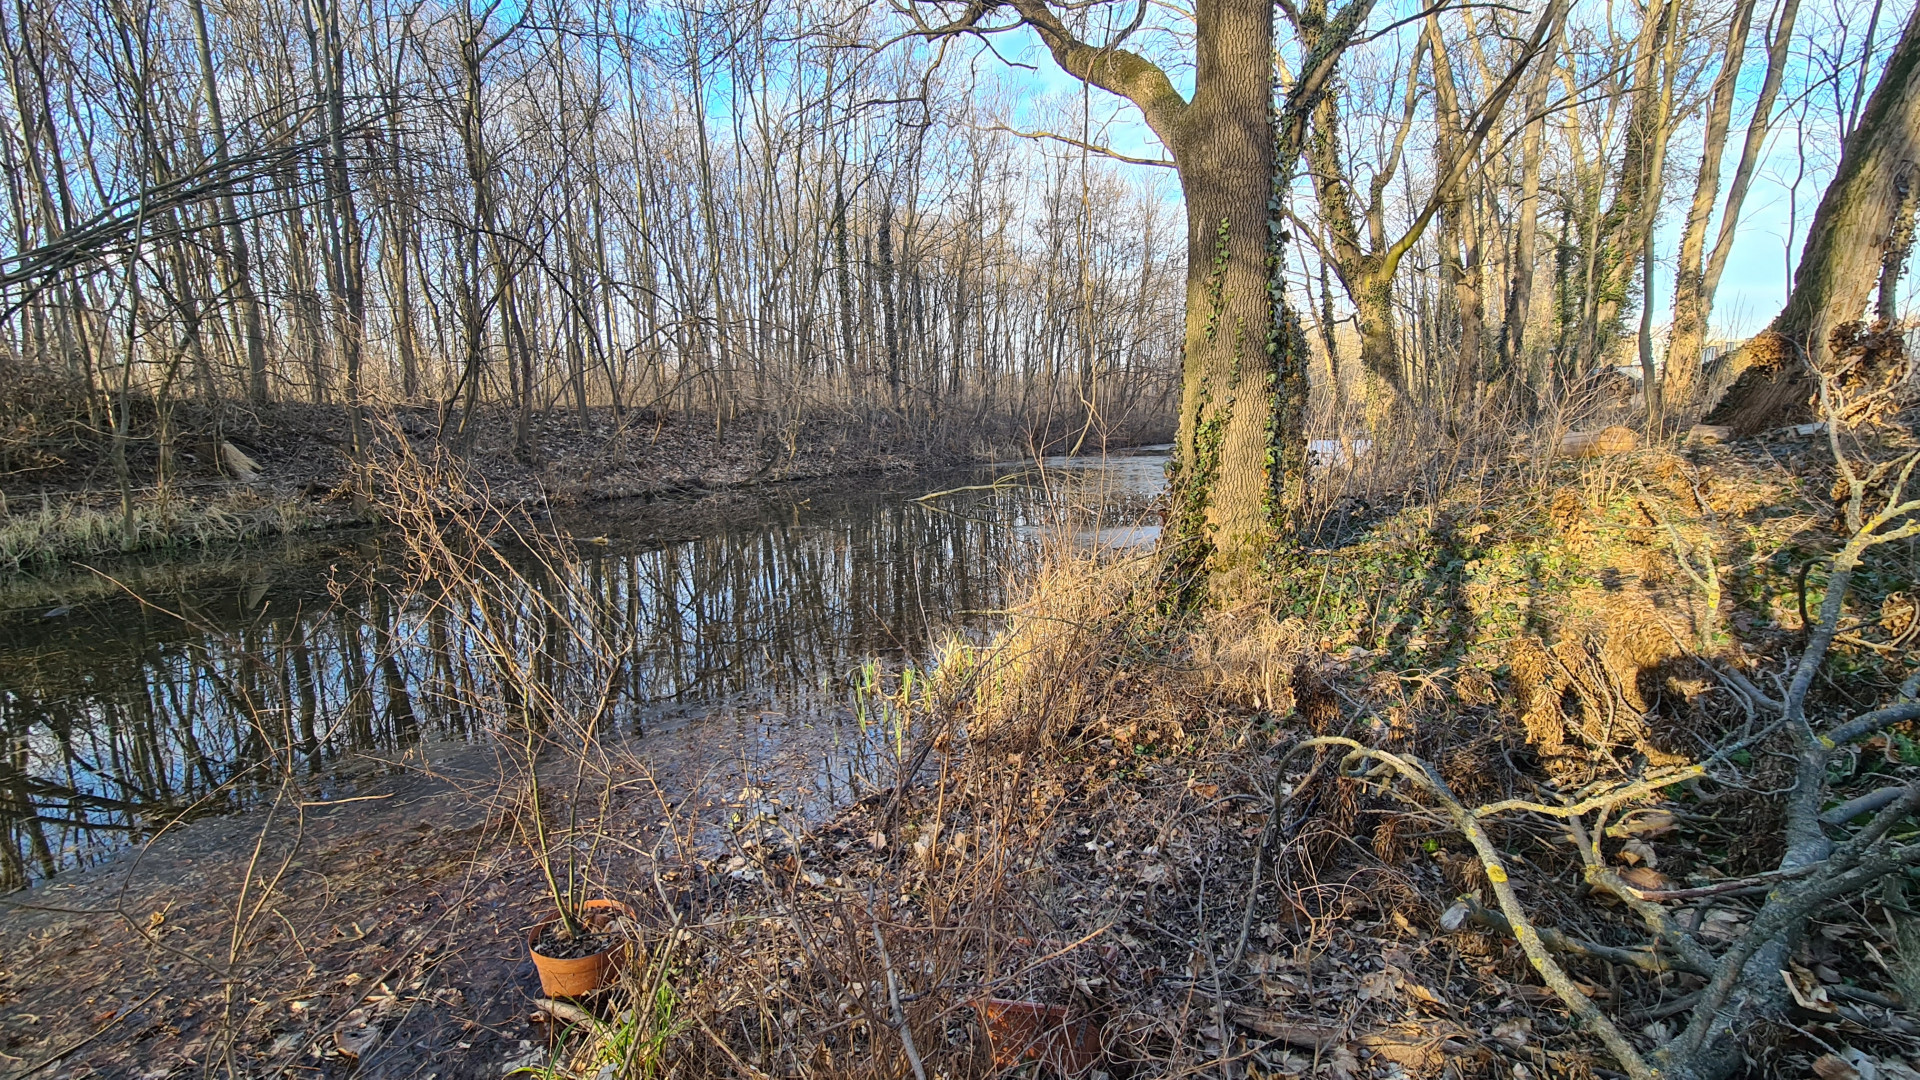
x=47, y=535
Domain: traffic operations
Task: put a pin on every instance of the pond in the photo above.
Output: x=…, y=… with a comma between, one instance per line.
x=175, y=690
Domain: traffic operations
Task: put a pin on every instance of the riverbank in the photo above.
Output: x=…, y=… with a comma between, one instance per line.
x=1326, y=830
x=367, y=915
x=369, y=924
x=240, y=474
x=1116, y=822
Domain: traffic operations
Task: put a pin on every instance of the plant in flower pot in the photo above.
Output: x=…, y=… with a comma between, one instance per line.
x=561, y=689
x=582, y=946
x=515, y=598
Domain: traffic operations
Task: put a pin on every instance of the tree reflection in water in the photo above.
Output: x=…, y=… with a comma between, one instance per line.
x=124, y=714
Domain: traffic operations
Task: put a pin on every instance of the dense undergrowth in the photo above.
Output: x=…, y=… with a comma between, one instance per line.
x=1323, y=826
x=1103, y=811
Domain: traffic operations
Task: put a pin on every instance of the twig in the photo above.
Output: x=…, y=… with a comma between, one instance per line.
x=1683, y=553
x=1602, y=801
x=997, y=485
x=1743, y=684
x=1468, y=822
x=1723, y=888
x=728, y=1050
x=1267, y=837
x=899, y=1015
x=1869, y=803
x=372, y=984
x=342, y=802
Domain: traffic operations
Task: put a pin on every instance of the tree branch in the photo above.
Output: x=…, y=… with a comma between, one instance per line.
x=1115, y=70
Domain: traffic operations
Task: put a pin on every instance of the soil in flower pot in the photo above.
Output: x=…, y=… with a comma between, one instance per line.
x=553, y=942
x=577, y=965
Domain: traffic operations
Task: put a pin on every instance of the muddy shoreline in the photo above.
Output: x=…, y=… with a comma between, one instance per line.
x=399, y=901
x=398, y=893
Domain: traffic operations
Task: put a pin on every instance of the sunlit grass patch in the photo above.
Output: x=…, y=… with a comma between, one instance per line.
x=55, y=533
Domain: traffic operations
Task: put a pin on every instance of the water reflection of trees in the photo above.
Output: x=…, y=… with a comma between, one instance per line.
x=121, y=716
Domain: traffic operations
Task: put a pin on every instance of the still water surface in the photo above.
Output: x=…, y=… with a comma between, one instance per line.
x=176, y=694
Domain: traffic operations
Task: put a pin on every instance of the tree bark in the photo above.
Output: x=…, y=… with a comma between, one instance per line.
x=1367, y=273
x=1519, y=298
x=1460, y=269
x=237, y=258
x=1613, y=237
x=1662, y=131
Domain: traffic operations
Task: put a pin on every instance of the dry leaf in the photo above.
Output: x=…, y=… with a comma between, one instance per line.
x=1722, y=925
x=355, y=1035
x=1806, y=990
x=1639, y=851
x=1829, y=1067
x=1645, y=879
x=1515, y=1032
x=1420, y=993
x=1895, y=1069
x=1650, y=823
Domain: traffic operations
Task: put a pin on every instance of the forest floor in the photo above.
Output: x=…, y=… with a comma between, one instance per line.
x=60, y=499
x=1101, y=830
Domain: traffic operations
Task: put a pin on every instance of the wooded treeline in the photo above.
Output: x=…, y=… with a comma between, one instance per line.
x=1493, y=225
x=559, y=206
x=783, y=207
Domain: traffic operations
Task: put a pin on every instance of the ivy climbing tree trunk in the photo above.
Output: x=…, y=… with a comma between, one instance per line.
x=1225, y=149
x=1239, y=460
x=1367, y=269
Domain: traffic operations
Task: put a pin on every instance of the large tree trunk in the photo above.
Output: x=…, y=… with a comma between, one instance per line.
x=1460, y=270
x=1239, y=449
x=1226, y=399
x=1690, y=304
x=1614, y=237
x=236, y=260
x=349, y=245
x=1519, y=297
x=1860, y=219
x=1661, y=132
x=1368, y=273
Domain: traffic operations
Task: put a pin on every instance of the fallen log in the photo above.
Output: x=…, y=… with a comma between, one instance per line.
x=1602, y=443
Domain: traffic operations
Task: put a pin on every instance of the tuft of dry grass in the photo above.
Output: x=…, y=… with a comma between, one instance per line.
x=47, y=535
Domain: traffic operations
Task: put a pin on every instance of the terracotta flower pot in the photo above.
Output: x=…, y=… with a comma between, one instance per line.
x=580, y=975
x=1027, y=1031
